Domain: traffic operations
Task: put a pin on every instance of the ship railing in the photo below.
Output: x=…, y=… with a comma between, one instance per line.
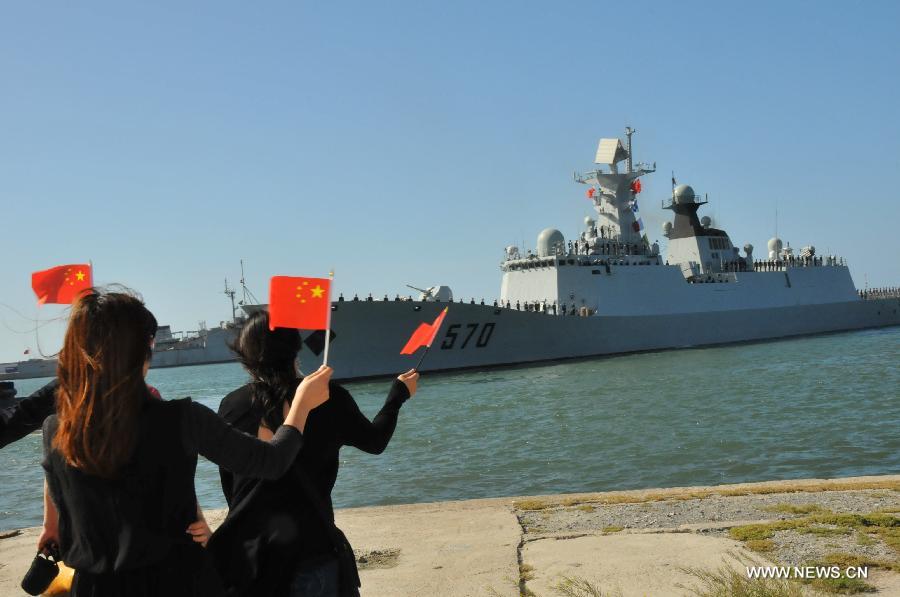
x=871, y=294
x=780, y=265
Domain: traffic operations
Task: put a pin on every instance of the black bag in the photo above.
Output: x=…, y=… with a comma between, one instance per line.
x=43, y=570
x=348, y=574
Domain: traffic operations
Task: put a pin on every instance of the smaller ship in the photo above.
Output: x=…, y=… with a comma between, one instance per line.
x=171, y=348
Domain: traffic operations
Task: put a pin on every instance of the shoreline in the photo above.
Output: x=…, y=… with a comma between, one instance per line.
x=627, y=542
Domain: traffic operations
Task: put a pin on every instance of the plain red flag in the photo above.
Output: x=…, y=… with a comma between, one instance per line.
x=301, y=303
x=636, y=186
x=62, y=284
x=424, y=334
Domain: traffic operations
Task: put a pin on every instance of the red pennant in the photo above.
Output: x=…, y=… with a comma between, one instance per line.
x=424, y=334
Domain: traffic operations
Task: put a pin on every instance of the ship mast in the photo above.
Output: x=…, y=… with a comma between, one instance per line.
x=628, y=132
x=230, y=292
x=247, y=294
x=613, y=192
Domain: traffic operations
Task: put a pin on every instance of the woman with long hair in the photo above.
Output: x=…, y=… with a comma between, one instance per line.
x=120, y=463
x=300, y=551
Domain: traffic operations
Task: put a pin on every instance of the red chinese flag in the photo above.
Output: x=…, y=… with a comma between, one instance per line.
x=424, y=334
x=62, y=284
x=301, y=303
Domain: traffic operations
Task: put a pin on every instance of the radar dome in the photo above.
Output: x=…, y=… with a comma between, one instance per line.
x=684, y=194
x=775, y=244
x=667, y=228
x=748, y=248
x=705, y=221
x=588, y=222
x=548, y=241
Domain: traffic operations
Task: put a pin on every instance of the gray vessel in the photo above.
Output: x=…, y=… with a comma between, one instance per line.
x=173, y=349
x=607, y=291
x=610, y=291
x=202, y=346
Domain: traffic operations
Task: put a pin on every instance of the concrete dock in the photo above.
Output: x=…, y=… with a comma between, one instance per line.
x=629, y=543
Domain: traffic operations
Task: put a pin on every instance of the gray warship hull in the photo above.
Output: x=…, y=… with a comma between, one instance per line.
x=368, y=336
x=211, y=347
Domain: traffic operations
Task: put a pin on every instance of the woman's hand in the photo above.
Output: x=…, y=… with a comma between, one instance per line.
x=49, y=536
x=313, y=390
x=411, y=380
x=200, y=532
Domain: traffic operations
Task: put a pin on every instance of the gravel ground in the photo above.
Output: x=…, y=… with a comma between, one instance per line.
x=715, y=514
x=669, y=514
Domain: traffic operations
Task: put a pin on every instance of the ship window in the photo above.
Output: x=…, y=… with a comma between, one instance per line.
x=596, y=271
x=571, y=262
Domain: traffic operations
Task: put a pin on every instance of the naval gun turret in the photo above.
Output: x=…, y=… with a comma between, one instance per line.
x=441, y=294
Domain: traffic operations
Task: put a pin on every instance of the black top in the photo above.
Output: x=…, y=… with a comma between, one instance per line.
x=128, y=535
x=292, y=532
x=28, y=414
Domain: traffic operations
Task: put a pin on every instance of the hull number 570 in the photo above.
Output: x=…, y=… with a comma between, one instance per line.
x=463, y=334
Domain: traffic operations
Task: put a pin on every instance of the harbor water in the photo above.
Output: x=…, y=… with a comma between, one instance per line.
x=820, y=406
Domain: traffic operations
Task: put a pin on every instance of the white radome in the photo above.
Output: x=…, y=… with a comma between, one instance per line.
x=775, y=244
x=548, y=240
x=684, y=193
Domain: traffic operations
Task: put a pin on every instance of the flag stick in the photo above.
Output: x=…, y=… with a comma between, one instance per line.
x=328, y=323
x=422, y=358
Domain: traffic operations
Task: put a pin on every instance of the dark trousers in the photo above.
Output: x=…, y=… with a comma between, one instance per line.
x=316, y=580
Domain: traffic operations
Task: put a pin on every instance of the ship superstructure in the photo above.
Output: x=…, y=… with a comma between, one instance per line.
x=612, y=268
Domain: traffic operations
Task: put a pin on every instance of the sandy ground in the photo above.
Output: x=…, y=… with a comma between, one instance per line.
x=621, y=543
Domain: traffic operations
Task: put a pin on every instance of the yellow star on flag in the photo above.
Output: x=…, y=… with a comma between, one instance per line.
x=318, y=291
x=80, y=276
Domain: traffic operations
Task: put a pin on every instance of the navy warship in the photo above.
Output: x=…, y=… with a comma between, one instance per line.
x=606, y=291
x=610, y=291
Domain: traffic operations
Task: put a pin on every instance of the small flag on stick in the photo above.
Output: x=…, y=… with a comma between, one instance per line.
x=424, y=336
x=300, y=303
x=62, y=284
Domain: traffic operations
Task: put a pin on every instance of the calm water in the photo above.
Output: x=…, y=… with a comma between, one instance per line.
x=811, y=407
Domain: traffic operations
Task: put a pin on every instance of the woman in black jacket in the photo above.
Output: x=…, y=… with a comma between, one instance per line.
x=120, y=464
x=297, y=552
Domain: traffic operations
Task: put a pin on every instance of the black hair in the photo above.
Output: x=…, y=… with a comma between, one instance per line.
x=270, y=356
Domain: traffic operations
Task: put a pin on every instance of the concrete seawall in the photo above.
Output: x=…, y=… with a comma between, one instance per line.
x=624, y=542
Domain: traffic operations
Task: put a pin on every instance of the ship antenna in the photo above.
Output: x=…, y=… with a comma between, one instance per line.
x=628, y=132
x=246, y=290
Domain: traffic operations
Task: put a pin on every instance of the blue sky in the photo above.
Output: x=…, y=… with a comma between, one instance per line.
x=409, y=142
